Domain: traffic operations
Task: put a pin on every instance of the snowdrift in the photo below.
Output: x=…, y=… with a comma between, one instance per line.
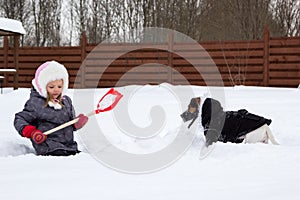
x=230, y=171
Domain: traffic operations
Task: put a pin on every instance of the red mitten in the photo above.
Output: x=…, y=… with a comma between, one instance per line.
x=81, y=121
x=27, y=130
x=37, y=136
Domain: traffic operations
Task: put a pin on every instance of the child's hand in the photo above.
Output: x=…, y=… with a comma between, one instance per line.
x=38, y=137
x=81, y=122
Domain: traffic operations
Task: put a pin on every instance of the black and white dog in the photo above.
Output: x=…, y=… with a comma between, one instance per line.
x=228, y=126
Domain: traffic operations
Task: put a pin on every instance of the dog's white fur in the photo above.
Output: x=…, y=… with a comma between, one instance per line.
x=262, y=134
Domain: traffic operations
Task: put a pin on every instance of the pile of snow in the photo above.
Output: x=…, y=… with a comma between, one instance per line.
x=230, y=171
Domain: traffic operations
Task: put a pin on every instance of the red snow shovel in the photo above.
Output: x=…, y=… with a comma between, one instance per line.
x=106, y=103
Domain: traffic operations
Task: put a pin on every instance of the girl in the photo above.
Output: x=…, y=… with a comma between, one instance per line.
x=48, y=108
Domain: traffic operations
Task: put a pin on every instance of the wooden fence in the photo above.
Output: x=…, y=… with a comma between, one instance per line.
x=266, y=62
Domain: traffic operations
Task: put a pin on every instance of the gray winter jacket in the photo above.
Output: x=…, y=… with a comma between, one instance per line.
x=45, y=118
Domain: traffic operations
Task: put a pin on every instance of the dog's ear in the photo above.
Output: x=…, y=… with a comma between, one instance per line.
x=198, y=100
x=195, y=102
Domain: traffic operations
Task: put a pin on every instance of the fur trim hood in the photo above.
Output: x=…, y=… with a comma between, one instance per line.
x=47, y=72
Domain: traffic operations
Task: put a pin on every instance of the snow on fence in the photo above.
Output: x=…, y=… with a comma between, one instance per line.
x=266, y=62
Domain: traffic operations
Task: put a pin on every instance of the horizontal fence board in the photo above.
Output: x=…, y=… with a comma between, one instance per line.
x=292, y=41
x=285, y=66
x=222, y=69
x=285, y=50
x=30, y=66
x=125, y=47
x=218, y=54
x=218, y=46
x=285, y=58
x=123, y=62
x=130, y=55
x=122, y=70
x=229, y=62
x=44, y=58
x=51, y=52
x=284, y=82
x=285, y=74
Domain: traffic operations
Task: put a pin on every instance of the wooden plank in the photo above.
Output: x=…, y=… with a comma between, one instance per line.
x=23, y=51
x=125, y=47
x=45, y=58
x=218, y=46
x=28, y=78
x=234, y=45
x=222, y=69
x=228, y=61
x=35, y=65
x=284, y=82
x=130, y=55
x=118, y=76
x=231, y=41
x=285, y=50
x=285, y=66
x=26, y=73
x=181, y=82
x=178, y=47
x=120, y=69
x=237, y=54
x=284, y=58
x=217, y=76
x=285, y=74
x=219, y=54
x=124, y=62
x=291, y=41
x=218, y=83
x=187, y=69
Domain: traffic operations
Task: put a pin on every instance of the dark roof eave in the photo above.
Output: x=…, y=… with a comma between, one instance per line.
x=8, y=33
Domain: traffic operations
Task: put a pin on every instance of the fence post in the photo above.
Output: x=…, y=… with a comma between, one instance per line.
x=170, y=56
x=16, y=61
x=83, y=55
x=266, y=40
x=5, y=57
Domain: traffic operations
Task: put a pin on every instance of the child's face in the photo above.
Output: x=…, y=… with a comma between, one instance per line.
x=55, y=88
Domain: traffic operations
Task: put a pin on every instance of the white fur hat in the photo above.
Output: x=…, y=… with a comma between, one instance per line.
x=47, y=72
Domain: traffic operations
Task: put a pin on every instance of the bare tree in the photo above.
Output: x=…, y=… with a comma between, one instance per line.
x=110, y=22
x=94, y=28
x=46, y=15
x=131, y=19
x=182, y=16
x=81, y=16
x=199, y=19
x=287, y=16
x=69, y=33
x=251, y=17
x=234, y=19
x=98, y=18
x=19, y=10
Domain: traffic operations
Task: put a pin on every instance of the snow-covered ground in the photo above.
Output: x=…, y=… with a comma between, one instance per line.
x=230, y=171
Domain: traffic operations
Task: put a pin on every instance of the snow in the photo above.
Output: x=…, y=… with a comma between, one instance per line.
x=11, y=25
x=230, y=171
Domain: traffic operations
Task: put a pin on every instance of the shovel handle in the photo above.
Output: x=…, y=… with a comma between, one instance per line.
x=67, y=124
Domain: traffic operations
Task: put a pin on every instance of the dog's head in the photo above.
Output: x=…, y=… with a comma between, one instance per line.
x=193, y=110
